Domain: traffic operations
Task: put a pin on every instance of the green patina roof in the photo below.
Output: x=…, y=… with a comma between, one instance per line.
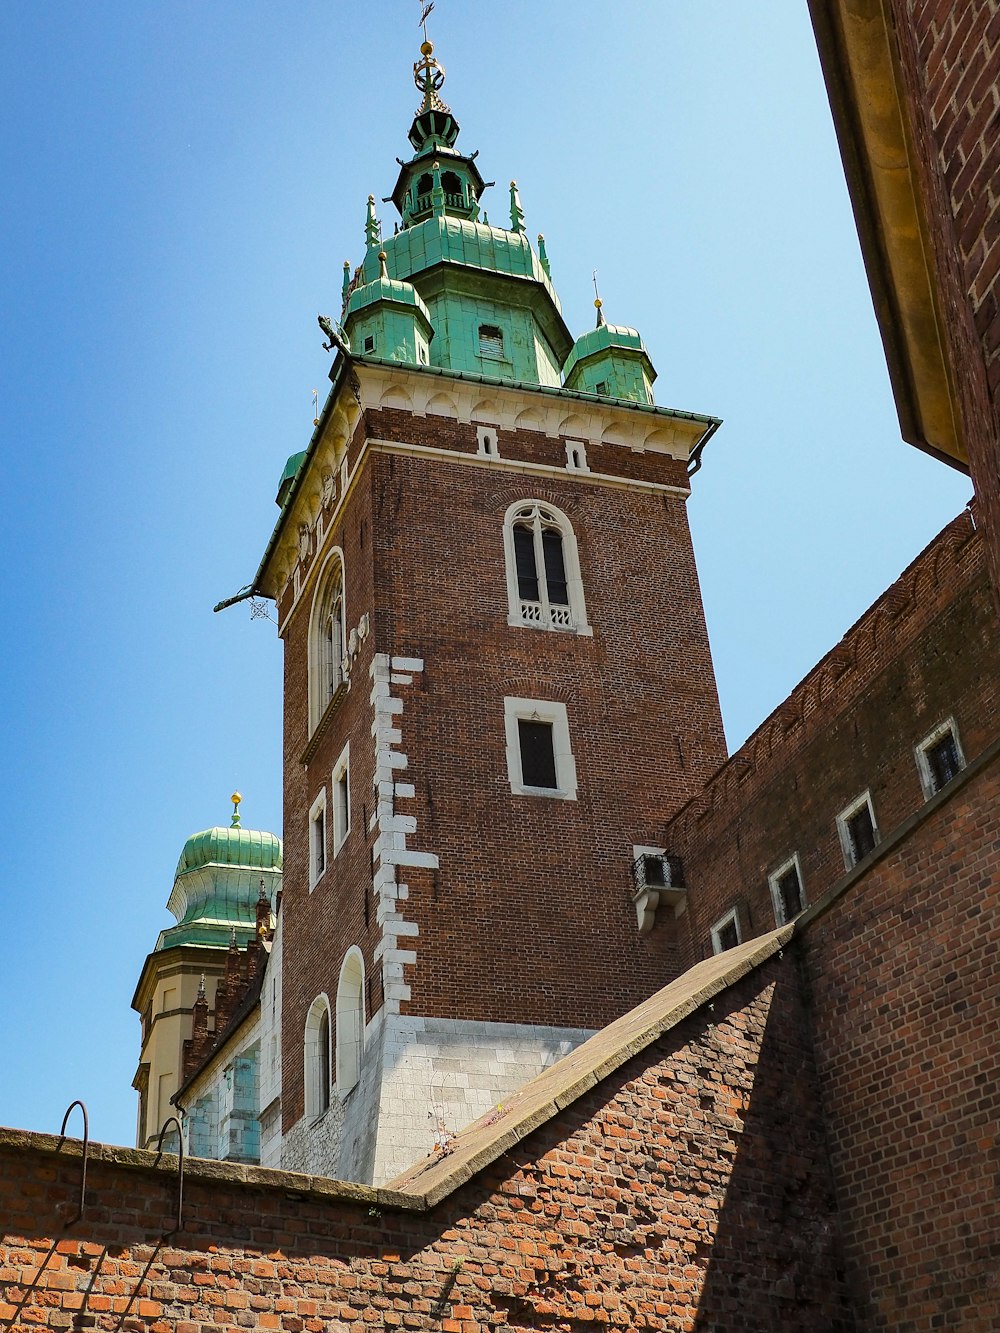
x=392, y=290
x=217, y=885
x=606, y=338
x=231, y=847
x=453, y=240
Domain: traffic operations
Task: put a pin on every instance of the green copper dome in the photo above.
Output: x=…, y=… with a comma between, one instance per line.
x=231, y=847
x=220, y=875
x=612, y=362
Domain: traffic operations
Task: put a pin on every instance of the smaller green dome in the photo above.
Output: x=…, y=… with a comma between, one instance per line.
x=610, y=361
x=604, y=338
x=393, y=290
x=245, y=847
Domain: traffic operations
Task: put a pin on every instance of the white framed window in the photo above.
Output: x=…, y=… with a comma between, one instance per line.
x=487, y=444
x=350, y=1020
x=857, y=829
x=939, y=758
x=544, y=587
x=316, y=1064
x=317, y=839
x=576, y=456
x=726, y=932
x=327, y=643
x=539, y=758
x=787, y=894
x=341, y=785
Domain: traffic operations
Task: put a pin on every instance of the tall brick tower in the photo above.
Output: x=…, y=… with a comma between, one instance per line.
x=498, y=684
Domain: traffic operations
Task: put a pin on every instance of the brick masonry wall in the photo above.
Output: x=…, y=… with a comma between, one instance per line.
x=905, y=993
x=950, y=70
x=526, y=887
x=927, y=650
x=689, y=1190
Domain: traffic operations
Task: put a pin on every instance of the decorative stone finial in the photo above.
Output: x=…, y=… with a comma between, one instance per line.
x=235, y=798
x=543, y=258
x=346, y=288
x=201, y=988
x=232, y=938
x=516, y=211
x=373, y=231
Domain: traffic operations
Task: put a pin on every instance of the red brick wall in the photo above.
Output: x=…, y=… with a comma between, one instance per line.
x=688, y=1191
x=950, y=68
x=906, y=994
x=528, y=888
x=927, y=650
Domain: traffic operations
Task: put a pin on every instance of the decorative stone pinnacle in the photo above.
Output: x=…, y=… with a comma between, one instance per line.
x=516, y=211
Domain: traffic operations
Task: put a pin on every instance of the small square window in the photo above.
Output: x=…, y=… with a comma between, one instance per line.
x=369, y=342
x=602, y=388
x=726, y=933
x=858, y=830
x=539, y=761
x=939, y=758
x=786, y=891
x=486, y=442
x=317, y=839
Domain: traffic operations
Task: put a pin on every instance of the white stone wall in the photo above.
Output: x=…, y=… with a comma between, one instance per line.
x=441, y=1074
x=270, y=1055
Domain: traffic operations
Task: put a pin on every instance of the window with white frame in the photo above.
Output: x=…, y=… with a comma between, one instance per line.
x=342, y=798
x=544, y=587
x=787, y=894
x=316, y=1065
x=576, y=456
x=487, y=445
x=726, y=933
x=327, y=642
x=857, y=830
x=939, y=758
x=350, y=1020
x=539, y=759
x=317, y=839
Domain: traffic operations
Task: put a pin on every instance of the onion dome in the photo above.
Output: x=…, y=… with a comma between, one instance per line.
x=219, y=879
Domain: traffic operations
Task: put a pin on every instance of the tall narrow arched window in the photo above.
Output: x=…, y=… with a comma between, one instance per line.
x=317, y=1057
x=327, y=640
x=543, y=569
x=350, y=1020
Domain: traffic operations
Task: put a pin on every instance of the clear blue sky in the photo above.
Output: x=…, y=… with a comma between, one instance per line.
x=182, y=183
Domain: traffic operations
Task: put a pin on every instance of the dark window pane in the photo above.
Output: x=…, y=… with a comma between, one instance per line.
x=555, y=568
x=538, y=760
x=524, y=561
x=942, y=759
x=861, y=832
x=319, y=840
x=727, y=936
x=790, y=894
x=323, y=1071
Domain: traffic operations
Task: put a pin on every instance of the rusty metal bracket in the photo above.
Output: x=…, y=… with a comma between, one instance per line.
x=86, y=1153
x=172, y=1120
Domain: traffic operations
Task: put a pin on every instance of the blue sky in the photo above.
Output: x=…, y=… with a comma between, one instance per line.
x=183, y=181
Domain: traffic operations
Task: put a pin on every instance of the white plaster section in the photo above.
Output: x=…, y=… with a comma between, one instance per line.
x=440, y=1074
x=393, y=826
x=270, y=1055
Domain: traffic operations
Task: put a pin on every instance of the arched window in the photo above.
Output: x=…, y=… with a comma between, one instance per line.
x=350, y=1020
x=425, y=184
x=327, y=642
x=451, y=183
x=317, y=1057
x=544, y=587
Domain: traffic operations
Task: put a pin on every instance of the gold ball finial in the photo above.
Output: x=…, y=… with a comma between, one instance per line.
x=598, y=303
x=382, y=255
x=236, y=798
x=426, y=48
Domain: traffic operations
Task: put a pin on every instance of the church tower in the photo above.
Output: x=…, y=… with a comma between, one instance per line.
x=498, y=685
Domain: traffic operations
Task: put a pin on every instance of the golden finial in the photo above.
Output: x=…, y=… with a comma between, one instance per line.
x=426, y=48
x=236, y=798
